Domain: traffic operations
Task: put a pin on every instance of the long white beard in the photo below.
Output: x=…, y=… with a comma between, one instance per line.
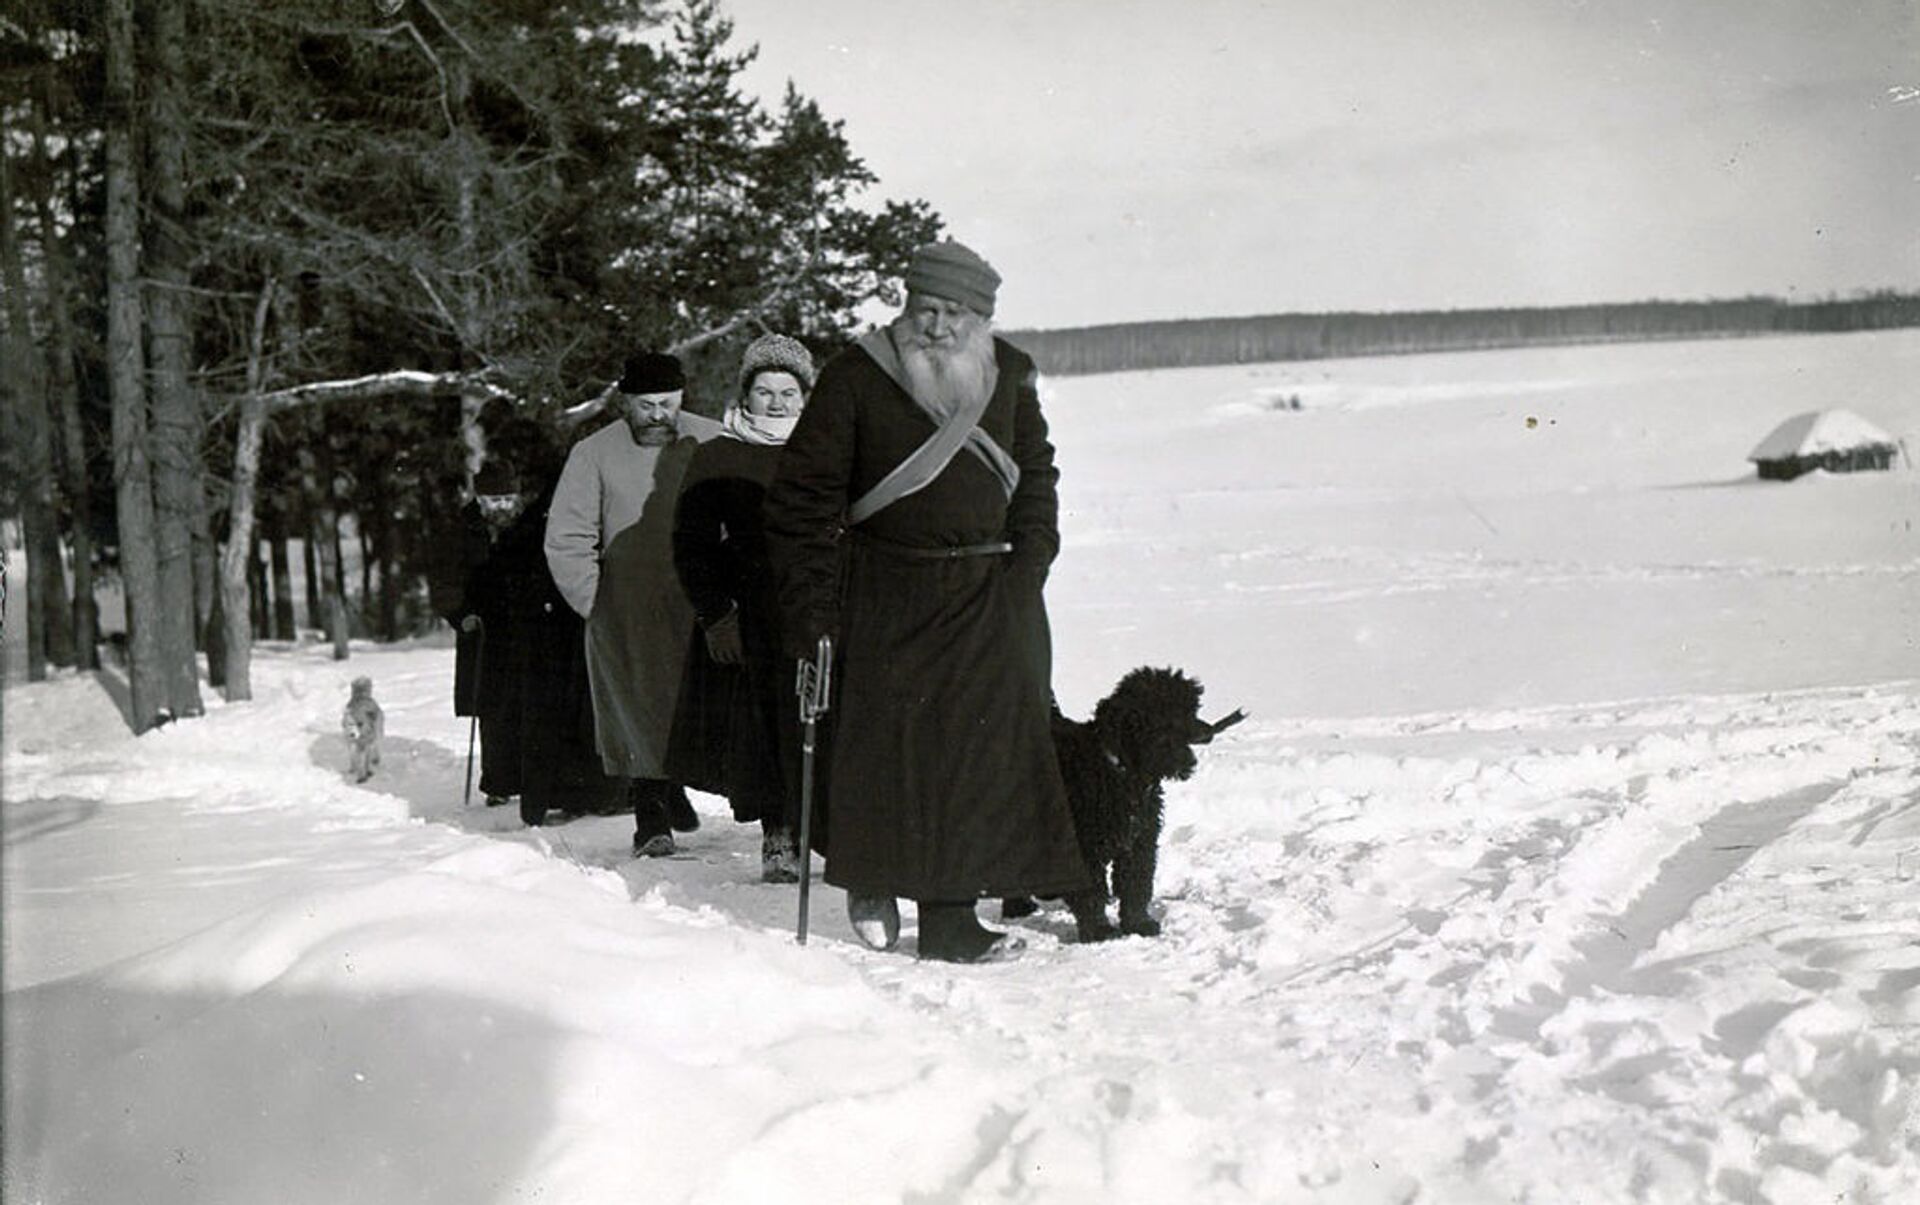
x=948, y=378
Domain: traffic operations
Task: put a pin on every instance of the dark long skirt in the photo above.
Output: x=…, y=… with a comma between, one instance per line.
x=736, y=732
x=466, y=673
x=560, y=766
x=944, y=784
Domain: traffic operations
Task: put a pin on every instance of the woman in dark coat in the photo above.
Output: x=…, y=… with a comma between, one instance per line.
x=736, y=729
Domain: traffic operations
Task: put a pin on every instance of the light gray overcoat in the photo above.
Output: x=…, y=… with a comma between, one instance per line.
x=609, y=546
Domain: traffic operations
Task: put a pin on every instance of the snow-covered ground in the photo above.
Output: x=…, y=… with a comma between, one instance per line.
x=1572, y=853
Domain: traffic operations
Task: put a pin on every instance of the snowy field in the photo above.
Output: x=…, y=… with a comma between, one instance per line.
x=1571, y=854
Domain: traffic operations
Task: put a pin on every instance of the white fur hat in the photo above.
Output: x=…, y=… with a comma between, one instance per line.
x=776, y=353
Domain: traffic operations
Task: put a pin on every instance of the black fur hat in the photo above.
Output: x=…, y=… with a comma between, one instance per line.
x=652, y=372
x=495, y=479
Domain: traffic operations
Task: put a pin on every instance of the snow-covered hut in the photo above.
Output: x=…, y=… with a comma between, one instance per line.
x=1838, y=441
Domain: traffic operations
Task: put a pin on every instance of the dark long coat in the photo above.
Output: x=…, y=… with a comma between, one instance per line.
x=942, y=780
x=457, y=548
x=736, y=729
x=536, y=712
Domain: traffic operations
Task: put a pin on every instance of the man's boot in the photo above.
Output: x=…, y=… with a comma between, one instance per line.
x=779, y=860
x=875, y=919
x=680, y=813
x=652, y=833
x=952, y=932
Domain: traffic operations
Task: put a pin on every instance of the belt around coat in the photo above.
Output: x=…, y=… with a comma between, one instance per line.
x=944, y=552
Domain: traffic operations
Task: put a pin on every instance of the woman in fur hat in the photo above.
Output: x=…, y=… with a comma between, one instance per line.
x=736, y=729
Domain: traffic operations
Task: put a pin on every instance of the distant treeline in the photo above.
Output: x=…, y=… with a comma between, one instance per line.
x=1199, y=341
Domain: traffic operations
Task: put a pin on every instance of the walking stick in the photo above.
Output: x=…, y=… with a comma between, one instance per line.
x=473, y=728
x=814, y=684
x=473, y=724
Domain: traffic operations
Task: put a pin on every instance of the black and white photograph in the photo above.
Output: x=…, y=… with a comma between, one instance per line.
x=959, y=602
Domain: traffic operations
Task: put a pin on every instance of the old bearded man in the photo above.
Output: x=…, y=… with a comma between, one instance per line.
x=913, y=516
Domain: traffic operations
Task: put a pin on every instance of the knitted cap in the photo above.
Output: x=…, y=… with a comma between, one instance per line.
x=776, y=353
x=950, y=270
x=652, y=372
x=496, y=478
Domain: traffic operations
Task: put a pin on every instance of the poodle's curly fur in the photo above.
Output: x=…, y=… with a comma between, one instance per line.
x=1141, y=736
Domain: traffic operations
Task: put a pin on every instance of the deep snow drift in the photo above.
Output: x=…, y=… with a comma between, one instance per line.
x=1572, y=852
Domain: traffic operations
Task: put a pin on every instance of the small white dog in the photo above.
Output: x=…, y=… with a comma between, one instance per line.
x=364, y=725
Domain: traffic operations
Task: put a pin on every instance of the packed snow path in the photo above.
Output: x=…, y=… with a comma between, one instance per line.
x=1663, y=952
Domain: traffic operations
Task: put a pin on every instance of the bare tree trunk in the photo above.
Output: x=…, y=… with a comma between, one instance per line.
x=472, y=434
x=217, y=647
x=260, y=585
x=63, y=397
x=178, y=493
x=284, y=625
x=236, y=558
x=55, y=603
x=310, y=565
x=15, y=394
x=326, y=570
x=366, y=564
x=325, y=592
x=36, y=627
x=338, y=628
x=466, y=155
x=339, y=615
x=385, y=537
x=22, y=392
x=126, y=377
x=205, y=559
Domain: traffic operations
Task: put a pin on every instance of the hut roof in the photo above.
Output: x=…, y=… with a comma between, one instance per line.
x=1819, y=431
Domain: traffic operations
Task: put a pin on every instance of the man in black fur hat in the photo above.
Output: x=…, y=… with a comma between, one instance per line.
x=609, y=545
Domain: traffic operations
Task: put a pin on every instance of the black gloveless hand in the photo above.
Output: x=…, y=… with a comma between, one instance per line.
x=723, y=639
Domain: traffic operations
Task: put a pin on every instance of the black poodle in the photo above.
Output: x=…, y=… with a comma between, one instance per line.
x=1140, y=736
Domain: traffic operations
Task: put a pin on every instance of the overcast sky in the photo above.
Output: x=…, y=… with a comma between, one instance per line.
x=1130, y=159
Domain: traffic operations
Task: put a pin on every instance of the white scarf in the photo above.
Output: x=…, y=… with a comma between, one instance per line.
x=764, y=430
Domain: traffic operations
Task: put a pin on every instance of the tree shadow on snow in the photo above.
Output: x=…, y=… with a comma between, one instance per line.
x=1745, y=481
x=273, y=1095
x=28, y=820
x=117, y=689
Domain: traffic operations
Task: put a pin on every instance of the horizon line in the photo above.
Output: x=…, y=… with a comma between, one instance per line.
x=1880, y=293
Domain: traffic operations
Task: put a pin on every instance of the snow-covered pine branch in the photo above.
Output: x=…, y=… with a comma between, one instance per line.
x=587, y=409
x=405, y=382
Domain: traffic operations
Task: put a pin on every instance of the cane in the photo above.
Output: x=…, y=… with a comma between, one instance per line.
x=814, y=684
x=473, y=729
x=473, y=724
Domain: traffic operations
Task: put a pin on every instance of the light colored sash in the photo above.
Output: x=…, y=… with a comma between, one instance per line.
x=930, y=459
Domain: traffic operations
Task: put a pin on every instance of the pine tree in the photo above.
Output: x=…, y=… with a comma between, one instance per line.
x=126, y=368
x=438, y=214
